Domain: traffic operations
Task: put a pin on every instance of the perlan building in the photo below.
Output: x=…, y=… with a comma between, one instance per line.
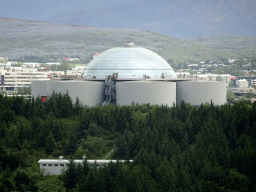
x=129, y=63
x=130, y=74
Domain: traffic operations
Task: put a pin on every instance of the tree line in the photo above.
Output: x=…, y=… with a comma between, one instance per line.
x=178, y=148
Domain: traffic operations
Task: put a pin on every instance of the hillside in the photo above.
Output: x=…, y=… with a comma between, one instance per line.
x=26, y=37
x=179, y=19
x=21, y=37
x=231, y=45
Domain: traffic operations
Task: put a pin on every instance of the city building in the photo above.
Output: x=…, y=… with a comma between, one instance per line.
x=242, y=83
x=251, y=79
x=95, y=55
x=76, y=70
x=27, y=65
x=52, y=64
x=3, y=58
x=131, y=74
x=12, y=80
x=71, y=59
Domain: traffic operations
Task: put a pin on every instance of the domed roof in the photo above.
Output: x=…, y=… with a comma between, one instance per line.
x=128, y=62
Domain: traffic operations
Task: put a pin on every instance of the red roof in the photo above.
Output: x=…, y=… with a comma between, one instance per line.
x=232, y=77
x=96, y=55
x=66, y=58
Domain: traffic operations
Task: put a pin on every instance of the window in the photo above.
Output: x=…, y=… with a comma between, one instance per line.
x=56, y=165
x=62, y=165
x=44, y=164
x=49, y=164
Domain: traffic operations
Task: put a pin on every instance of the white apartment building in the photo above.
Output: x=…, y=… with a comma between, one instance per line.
x=73, y=59
x=213, y=77
x=76, y=71
x=242, y=83
x=226, y=78
x=12, y=80
x=30, y=65
x=205, y=77
x=52, y=64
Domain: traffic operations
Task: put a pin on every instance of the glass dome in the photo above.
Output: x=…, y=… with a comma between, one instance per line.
x=129, y=63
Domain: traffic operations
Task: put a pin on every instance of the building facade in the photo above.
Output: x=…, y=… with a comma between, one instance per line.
x=12, y=80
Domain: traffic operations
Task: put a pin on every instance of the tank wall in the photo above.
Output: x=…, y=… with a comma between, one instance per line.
x=196, y=92
x=39, y=88
x=90, y=93
x=143, y=92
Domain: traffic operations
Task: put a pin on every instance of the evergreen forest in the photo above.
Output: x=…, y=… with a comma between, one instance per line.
x=175, y=148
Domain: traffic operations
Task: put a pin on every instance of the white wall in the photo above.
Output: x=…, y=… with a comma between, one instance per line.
x=90, y=93
x=143, y=92
x=198, y=92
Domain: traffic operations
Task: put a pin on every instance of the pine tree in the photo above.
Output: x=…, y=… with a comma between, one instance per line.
x=50, y=144
x=70, y=177
x=72, y=144
x=77, y=106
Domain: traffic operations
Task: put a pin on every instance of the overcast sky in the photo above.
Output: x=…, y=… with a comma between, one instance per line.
x=177, y=18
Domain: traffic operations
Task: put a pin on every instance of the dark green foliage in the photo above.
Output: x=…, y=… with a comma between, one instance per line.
x=70, y=177
x=77, y=106
x=72, y=144
x=50, y=144
x=182, y=148
x=7, y=115
x=22, y=181
x=95, y=130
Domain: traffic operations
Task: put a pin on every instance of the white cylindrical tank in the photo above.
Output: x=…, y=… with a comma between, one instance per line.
x=39, y=88
x=198, y=92
x=144, y=92
x=90, y=93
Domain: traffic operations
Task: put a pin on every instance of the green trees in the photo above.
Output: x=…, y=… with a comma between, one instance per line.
x=182, y=148
x=72, y=144
x=231, y=97
x=70, y=176
x=91, y=147
x=50, y=144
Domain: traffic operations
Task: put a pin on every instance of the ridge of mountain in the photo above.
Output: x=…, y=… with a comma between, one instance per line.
x=20, y=37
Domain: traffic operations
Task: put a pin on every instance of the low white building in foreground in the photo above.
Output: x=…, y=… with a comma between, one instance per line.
x=55, y=166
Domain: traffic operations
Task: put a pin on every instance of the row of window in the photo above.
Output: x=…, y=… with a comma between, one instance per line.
x=55, y=165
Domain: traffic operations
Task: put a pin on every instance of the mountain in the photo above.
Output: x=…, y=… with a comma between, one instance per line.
x=242, y=46
x=27, y=37
x=176, y=18
x=180, y=19
x=22, y=37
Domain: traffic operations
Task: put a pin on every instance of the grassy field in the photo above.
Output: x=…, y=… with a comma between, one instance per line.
x=231, y=46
